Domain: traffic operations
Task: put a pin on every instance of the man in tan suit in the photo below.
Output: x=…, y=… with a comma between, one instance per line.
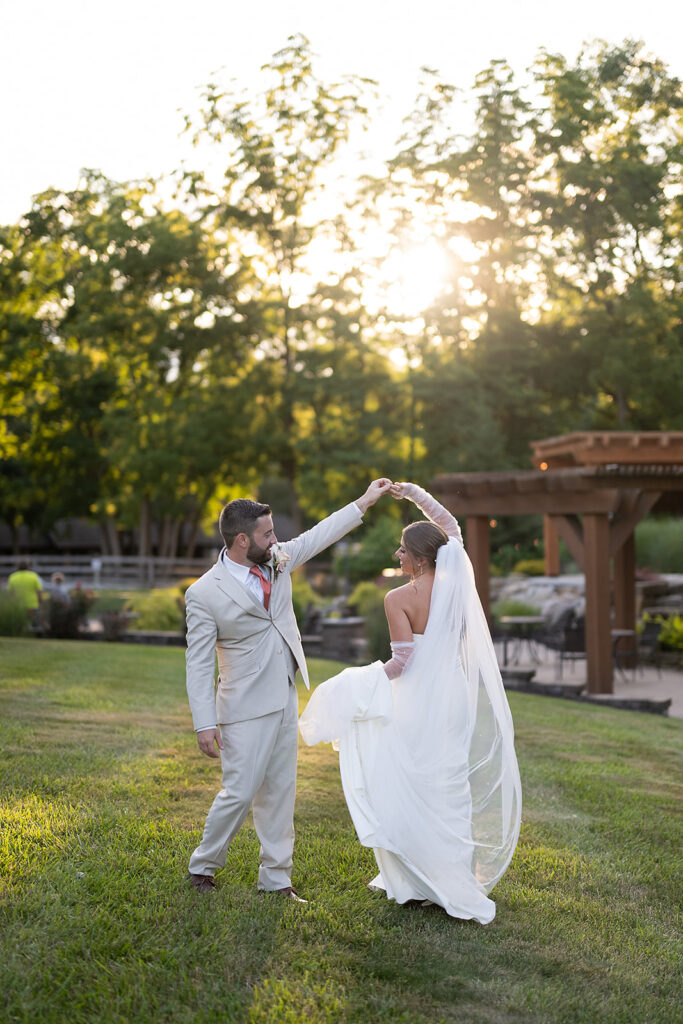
x=241, y=609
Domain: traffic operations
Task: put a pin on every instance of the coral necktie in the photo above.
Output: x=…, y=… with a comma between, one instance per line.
x=265, y=584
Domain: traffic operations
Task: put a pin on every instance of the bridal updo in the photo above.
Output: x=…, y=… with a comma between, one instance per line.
x=422, y=540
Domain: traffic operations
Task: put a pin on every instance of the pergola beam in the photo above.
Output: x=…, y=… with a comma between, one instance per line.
x=551, y=547
x=570, y=530
x=477, y=535
x=598, y=627
x=633, y=507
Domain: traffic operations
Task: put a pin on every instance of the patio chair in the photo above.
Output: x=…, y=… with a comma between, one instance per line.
x=648, y=645
x=566, y=635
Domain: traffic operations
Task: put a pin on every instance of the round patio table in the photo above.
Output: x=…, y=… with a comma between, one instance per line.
x=521, y=629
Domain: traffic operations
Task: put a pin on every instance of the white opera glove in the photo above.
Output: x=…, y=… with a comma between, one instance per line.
x=435, y=512
x=400, y=651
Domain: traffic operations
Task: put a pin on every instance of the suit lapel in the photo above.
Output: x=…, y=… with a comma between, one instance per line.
x=235, y=590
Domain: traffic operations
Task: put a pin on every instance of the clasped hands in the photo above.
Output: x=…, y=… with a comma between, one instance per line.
x=378, y=488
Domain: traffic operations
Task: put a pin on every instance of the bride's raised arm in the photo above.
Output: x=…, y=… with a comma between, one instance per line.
x=434, y=511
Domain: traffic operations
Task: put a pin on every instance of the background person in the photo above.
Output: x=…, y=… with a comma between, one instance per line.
x=27, y=586
x=58, y=589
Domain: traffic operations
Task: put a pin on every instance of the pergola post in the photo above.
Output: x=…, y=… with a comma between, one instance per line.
x=551, y=548
x=598, y=627
x=479, y=550
x=625, y=594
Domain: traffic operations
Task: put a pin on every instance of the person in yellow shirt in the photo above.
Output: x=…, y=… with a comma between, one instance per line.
x=27, y=586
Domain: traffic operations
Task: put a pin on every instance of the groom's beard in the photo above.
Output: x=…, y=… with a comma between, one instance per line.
x=257, y=554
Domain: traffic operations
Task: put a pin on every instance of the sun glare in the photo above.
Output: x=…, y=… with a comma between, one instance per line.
x=416, y=275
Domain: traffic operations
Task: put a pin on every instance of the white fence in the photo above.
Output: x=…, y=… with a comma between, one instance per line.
x=109, y=570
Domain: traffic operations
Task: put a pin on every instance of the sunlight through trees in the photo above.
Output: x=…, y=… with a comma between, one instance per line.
x=292, y=312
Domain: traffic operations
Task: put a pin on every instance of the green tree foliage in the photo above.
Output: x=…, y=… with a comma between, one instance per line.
x=319, y=395
x=124, y=371
x=159, y=357
x=608, y=135
x=568, y=313
x=374, y=552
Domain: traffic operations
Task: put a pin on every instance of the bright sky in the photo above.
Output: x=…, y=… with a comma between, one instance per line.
x=90, y=84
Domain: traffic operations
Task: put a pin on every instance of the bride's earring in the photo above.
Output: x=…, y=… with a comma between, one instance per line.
x=416, y=575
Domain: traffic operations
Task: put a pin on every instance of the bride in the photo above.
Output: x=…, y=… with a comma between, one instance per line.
x=425, y=741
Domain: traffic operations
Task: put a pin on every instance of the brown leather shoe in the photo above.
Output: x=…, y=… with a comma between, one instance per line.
x=202, y=883
x=289, y=894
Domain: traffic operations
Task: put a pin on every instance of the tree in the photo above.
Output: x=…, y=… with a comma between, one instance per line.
x=479, y=403
x=52, y=396
x=140, y=355
x=609, y=137
x=316, y=405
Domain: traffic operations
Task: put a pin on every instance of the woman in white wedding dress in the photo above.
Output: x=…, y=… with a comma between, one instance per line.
x=426, y=742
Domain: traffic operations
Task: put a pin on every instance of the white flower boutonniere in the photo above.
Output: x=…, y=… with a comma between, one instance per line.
x=280, y=559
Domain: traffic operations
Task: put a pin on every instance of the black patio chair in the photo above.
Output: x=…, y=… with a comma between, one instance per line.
x=648, y=646
x=566, y=635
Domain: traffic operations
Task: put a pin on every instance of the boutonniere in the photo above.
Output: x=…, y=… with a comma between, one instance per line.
x=280, y=559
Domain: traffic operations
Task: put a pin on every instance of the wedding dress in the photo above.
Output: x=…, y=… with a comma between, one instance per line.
x=427, y=759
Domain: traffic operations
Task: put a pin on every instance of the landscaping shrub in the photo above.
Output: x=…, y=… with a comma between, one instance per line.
x=671, y=632
x=185, y=583
x=530, y=567
x=507, y=556
x=114, y=623
x=157, y=609
x=659, y=544
x=62, y=619
x=14, y=618
x=511, y=606
x=367, y=600
x=108, y=601
x=364, y=597
x=303, y=596
x=376, y=551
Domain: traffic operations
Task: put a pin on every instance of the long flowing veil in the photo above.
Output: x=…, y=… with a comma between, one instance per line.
x=427, y=761
x=451, y=712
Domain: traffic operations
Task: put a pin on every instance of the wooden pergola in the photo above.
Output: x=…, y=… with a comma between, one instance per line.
x=592, y=489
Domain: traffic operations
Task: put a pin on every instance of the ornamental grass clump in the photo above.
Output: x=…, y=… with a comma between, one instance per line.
x=14, y=617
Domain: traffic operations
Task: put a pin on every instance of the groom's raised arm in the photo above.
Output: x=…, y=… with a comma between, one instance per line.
x=334, y=527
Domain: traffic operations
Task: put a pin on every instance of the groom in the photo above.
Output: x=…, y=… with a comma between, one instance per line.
x=241, y=609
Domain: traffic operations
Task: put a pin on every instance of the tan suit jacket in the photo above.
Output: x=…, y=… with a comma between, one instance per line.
x=258, y=650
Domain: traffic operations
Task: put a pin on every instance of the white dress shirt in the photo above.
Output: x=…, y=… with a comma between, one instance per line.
x=247, y=578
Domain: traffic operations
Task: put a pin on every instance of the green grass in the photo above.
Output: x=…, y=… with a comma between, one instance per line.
x=103, y=796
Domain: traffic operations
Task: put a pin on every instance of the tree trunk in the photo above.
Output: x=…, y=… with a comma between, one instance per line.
x=164, y=537
x=144, y=542
x=173, y=535
x=192, y=539
x=104, y=539
x=111, y=544
x=295, y=508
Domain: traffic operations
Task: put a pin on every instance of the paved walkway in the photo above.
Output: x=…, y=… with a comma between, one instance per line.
x=646, y=683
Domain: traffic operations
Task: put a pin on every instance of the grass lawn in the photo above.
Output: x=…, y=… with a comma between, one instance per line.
x=103, y=796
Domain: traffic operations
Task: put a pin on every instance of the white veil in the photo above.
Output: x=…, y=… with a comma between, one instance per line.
x=427, y=761
x=452, y=714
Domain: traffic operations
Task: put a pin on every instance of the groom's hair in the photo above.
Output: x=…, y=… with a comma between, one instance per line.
x=240, y=516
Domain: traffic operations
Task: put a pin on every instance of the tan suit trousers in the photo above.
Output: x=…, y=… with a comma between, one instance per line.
x=259, y=771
